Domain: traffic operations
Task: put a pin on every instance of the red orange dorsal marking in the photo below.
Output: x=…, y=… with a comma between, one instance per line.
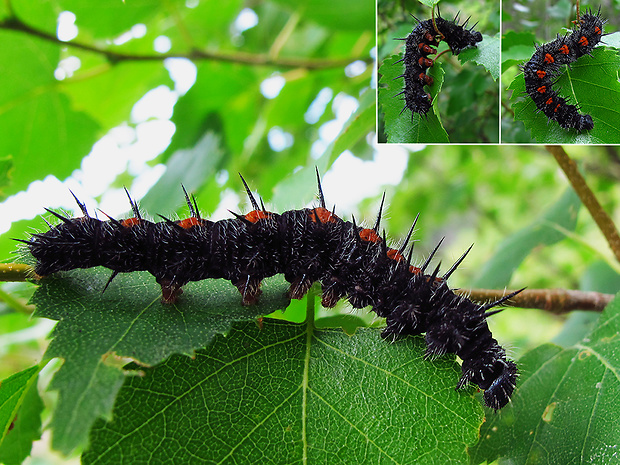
x=597, y=30
x=323, y=214
x=542, y=89
x=256, y=215
x=583, y=41
x=564, y=49
x=189, y=222
x=549, y=101
x=548, y=58
x=129, y=222
x=394, y=255
x=541, y=74
x=369, y=235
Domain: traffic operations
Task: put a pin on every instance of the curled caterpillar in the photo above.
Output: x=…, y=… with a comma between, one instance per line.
x=307, y=245
x=419, y=46
x=541, y=72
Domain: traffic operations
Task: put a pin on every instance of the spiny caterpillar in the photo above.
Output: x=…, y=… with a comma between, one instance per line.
x=543, y=69
x=307, y=245
x=419, y=45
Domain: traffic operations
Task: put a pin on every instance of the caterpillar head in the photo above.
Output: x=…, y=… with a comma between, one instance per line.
x=495, y=375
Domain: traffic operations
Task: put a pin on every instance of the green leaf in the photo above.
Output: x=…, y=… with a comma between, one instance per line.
x=400, y=127
x=109, y=18
x=289, y=393
x=344, y=14
x=565, y=405
x=361, y=122
x=497, y=272
x=485, y=54
x=47, y=135
x=20, y=415
x=6, y=165
x=127, y=320
x=592, y=82
x=187, y=167
x=107, y=93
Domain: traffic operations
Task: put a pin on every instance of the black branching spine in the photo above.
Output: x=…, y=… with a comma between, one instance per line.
x=306, y=245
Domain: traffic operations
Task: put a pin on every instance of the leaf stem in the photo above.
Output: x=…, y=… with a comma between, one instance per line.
x=18, y=305
x=15, y=24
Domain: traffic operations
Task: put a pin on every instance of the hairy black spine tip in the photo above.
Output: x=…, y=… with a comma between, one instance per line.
x=307, y=246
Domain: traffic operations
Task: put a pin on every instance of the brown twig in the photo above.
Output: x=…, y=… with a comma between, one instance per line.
x=15, y=272
x=556, y=301
x=551, y=300
x=602, y=219
x=15, y=24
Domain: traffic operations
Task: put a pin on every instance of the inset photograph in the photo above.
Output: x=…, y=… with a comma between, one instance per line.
x=560, y=73
x=438, y=71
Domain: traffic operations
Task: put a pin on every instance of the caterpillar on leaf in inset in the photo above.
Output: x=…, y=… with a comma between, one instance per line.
x=543, y=69
x=307, y=245
x=419, y=46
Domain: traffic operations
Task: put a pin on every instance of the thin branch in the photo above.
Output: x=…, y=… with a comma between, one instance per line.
x=556, y=301
x=602, y=219
x=15, y=24
x=15, y=272
x=551, y=300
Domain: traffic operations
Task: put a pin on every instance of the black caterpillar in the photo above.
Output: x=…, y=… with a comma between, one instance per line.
x=418, y=47
x=541, y=72
x=305, y=245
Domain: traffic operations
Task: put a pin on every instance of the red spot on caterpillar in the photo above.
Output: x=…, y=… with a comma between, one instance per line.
x=549, y=102
x=324, y=215
x=542, y=89
x=549, y=58
x=189, y=222
x=555, y=110
x=541, y=74
x=597, y=30
x=425, y=62
x=426, y=49
x=426, y=79
x=369, y=235
x=415, y=270
x=129, y=222
x=583, y=41
x=564, y=49
x=394, y=255
x=256, y=215
x=429, y=37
